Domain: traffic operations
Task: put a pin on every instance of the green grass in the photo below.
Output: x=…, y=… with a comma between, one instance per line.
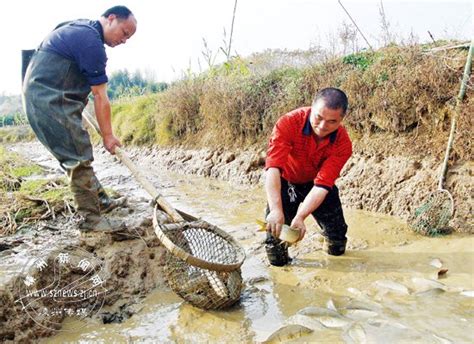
x=26, y=170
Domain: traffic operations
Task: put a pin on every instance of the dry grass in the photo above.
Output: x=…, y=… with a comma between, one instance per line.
x=398, y=90
x=20, y=133
x=25, y=201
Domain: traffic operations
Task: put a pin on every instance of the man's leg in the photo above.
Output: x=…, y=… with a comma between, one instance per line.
x=82, y=180
x=330, y=218
x=277, y=250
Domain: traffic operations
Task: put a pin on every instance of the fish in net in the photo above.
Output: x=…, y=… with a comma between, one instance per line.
x=202, y=263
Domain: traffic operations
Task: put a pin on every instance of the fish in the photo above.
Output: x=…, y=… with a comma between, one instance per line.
x=334, y=322
x=436, y=263
x=356, y=334
x=307, y=321
x=468, y=293
x=358, y=314
x=424, y=284
x=330, y=305
x=262, y=224
x=287, y=234
x=288, y=332
x=319, y=311
x=216, y=283
x=329, y=317
x=256, y=280
x=386, y=323
x=430, y=292
x=392, y=286
x=365, y=304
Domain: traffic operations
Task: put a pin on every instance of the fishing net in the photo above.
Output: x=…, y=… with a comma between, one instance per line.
x=202, y=263
x=433, y=216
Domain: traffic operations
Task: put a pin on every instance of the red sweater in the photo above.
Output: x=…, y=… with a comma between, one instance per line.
x=294, y=150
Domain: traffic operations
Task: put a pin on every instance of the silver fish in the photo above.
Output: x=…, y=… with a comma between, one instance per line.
x=424, y=284
x=356, y=334
x=468, y=293
x=334, y=322
x=330, y=305
x=307, y=321
x=437, y=263
x=392, y=286
x=319, y=311
x=358, y=314
x=430, y=292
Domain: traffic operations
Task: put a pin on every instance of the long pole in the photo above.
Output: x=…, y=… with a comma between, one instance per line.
x=460, y=97
x=231, y=29
x=355, y=24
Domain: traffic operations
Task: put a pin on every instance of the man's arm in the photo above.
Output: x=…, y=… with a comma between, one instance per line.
x=275, y=219
x=103, y=114
x=312, y=201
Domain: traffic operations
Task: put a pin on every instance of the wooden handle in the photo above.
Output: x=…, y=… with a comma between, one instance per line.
x=457, y=111
x=123, y=157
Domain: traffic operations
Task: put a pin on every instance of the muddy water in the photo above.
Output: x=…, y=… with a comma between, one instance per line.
x=385, y=289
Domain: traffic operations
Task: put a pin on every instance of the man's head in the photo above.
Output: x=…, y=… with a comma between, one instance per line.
x=119, y=25
x=328, y=110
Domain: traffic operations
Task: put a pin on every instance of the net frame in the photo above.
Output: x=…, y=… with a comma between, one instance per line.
x=202, y=262
x=433, y=216
x=225, y=264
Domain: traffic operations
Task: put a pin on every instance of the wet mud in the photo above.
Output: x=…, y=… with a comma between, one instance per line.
x=390, y=184
x=386, y=288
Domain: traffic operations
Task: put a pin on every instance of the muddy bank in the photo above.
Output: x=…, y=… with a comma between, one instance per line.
x=128, y=265
x=394, y=185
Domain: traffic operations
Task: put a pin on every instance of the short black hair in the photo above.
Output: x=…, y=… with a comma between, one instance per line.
x=121, y=12
x=333, y=98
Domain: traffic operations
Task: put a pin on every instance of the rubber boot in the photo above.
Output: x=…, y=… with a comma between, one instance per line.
x=106, y=203
x=87, y=200
x=277, y=251
x=335, y=247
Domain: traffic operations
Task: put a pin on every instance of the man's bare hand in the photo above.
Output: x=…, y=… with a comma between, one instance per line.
x=275, y=219
x=110, y=142
x=298, y=222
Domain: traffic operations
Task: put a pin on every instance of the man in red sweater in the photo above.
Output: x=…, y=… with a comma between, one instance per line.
x=307, y=150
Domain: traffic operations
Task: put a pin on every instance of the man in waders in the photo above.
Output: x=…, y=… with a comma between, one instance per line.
x=306, y=153
x=69, y=65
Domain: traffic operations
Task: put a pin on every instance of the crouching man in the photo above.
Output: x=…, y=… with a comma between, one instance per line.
x=307, y=150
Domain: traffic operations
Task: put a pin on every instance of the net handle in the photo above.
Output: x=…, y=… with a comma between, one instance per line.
x=457, y=110
x=188, y=258
x=144, y=182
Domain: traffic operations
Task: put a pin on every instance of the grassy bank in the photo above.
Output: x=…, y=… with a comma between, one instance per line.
x=399, y=91
x=20, y=133
x=25, y=196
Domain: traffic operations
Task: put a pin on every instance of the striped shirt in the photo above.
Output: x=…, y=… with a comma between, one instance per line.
x=294, y=150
